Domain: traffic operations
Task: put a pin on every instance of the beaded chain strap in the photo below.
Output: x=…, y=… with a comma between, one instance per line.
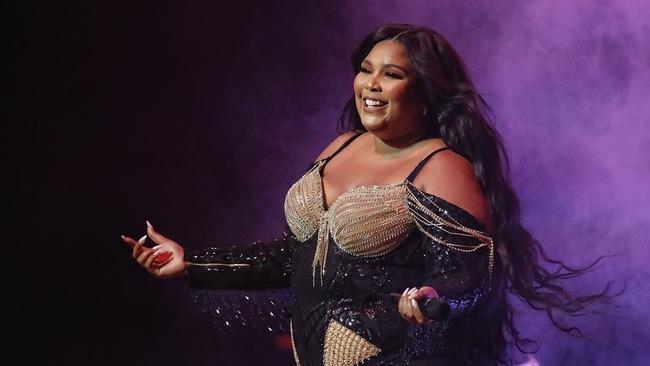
x=293, y=345
x=425, y=218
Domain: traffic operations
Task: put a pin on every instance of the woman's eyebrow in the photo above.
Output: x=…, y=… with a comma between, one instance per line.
x=397, y=67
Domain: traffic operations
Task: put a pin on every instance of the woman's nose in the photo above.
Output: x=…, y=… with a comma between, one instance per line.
x=372, y=84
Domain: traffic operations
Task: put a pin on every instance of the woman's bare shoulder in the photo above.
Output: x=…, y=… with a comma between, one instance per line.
x=336, y=143
x=451, y=177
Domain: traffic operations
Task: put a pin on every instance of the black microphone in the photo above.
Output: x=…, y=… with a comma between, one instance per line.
x=434, y=309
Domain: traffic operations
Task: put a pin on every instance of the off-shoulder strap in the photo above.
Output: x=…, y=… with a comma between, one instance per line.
x=448, y=225
x=345, y=144
x=417, y=169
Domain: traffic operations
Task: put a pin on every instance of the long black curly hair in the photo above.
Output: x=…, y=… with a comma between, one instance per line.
x=462, y=118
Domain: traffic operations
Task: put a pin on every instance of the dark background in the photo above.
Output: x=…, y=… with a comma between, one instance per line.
x=160, y=111
x=198, y=116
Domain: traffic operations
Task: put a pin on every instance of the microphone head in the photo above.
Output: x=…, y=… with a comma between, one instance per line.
x=435, y=309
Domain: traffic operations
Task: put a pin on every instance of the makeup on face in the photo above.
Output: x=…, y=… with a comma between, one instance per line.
x=385, y=89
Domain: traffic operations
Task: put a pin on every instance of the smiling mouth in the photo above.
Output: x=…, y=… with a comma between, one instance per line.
x=372, y=105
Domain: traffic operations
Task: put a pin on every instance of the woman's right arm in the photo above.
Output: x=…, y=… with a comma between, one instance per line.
x=258, y=266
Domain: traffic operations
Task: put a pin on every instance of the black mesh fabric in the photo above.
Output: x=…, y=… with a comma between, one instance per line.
x=355, y=293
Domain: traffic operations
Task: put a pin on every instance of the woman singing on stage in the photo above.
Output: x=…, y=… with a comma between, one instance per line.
x=404, y=236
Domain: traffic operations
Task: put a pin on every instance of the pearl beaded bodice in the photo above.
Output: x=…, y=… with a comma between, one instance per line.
x=366, y=221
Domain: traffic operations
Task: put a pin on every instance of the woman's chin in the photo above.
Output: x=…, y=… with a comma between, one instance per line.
x=373, y=124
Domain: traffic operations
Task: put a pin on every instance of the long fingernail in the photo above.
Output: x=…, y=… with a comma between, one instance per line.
x=405, y=291
x=415, y=304
x=142, y=239
x=148, y=224
x=157, y=247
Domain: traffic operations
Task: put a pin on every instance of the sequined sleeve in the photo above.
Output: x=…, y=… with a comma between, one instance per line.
x=243, y=286
x=459, y=254
x=261, y=265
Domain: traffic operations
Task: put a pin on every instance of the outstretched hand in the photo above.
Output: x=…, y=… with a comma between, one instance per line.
x=408, y=307
x=165, y=260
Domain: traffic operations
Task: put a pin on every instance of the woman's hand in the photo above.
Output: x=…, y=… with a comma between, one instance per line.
x=165, y=260
x=408, y=307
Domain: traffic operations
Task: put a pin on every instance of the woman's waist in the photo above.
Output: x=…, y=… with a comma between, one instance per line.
x=375, y=322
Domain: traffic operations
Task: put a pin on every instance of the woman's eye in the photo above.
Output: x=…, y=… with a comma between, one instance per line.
x=393, y=75
x=364, y=70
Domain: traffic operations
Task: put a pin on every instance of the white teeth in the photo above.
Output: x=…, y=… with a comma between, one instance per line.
x=371, y=102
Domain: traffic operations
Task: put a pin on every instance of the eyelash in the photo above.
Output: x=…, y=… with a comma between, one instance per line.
x=391, y=75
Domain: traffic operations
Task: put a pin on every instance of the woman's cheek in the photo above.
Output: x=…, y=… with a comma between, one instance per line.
x=356, y=85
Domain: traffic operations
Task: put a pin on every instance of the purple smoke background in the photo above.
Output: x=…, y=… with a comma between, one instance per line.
x=199, y=117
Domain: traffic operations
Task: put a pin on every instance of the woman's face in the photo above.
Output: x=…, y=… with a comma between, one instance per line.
x=386, y=93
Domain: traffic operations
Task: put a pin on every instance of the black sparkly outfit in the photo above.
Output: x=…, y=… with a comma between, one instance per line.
x=351, y=257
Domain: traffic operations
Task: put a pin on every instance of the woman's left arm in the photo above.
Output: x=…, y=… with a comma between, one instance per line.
x=458, y=256
x=458, y=251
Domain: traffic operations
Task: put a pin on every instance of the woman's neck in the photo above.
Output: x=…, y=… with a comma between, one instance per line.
x=396, y=146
